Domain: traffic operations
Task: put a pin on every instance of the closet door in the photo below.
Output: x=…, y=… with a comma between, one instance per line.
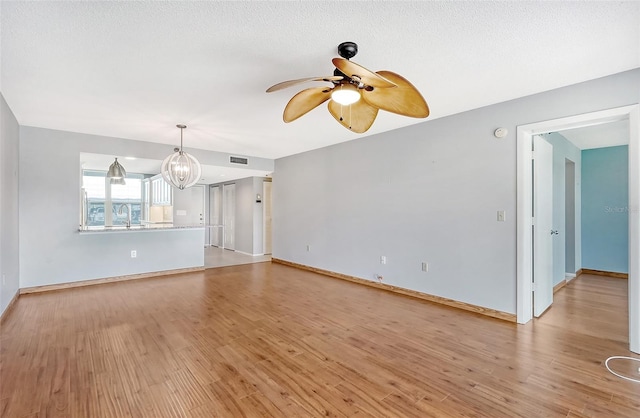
x=215, y=205
x=229, y=215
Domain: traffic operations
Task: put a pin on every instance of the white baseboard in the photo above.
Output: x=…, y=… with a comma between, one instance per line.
x=252, y=255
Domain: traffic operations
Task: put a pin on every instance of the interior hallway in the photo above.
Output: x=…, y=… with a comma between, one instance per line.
x=218, y=257
x=591, y=305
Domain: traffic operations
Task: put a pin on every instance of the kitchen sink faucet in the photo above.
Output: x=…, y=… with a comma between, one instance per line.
x=121, y=209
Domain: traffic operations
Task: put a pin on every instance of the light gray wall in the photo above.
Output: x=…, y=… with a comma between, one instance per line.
x=258, y=215
x=9, y=256
x=425, y=193
x=564, y=150
x=51, y=249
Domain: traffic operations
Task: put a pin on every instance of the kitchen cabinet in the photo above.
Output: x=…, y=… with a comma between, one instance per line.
x=161, y=192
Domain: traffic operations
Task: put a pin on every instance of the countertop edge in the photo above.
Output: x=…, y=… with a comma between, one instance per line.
x=83, y=231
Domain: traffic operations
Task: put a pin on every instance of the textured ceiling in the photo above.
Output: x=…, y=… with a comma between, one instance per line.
x=136, y=69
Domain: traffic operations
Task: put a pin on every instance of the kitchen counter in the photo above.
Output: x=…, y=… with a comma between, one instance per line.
x=137, y=228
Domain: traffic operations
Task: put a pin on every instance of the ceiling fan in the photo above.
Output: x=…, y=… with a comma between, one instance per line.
x=356, y=94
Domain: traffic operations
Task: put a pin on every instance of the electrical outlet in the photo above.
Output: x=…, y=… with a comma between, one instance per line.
x=308, y=248
x=134, y=253
x=4, y=280
x=383, y=259
x=425, y=266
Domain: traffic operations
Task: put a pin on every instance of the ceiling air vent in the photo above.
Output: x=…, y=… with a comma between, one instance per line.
x=238, y=160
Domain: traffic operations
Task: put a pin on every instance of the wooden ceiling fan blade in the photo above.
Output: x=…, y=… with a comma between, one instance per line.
x=357, y=117
x=404, y=100
x=305, y=101
x=353, y=70
x=290, y=83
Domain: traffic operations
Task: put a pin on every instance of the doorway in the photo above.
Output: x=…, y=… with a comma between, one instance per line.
x=525, y=133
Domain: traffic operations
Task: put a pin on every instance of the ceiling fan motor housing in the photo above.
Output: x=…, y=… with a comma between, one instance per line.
x=348, y=50
x=339, y=73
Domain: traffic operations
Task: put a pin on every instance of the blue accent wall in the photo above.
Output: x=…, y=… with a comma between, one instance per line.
x=605, y=209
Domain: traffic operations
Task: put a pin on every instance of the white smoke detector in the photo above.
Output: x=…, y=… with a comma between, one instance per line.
x=500, y=132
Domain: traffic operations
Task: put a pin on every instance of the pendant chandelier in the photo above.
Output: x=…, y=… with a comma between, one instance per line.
x=117, y=181
x=181, y=169
x=116, y=171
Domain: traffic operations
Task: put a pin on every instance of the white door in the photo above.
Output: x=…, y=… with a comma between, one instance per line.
x=214, y=215
x=229, y=216
x=542, y=225
x=188, y=206
x=266, y=202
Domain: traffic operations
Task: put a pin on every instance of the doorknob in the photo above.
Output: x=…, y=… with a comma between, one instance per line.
x=555, y=232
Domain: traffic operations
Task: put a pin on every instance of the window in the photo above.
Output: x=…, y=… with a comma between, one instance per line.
x=103, y=199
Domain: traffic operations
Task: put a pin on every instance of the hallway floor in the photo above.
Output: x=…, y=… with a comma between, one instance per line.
x=218, y=257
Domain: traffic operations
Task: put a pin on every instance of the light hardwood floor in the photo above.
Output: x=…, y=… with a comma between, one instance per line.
x=266, y=340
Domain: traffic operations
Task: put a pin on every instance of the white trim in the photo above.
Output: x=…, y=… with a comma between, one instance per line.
x=634, y=230
x=524, y=202
x=267, y=198
x=524, y=134
x=242, y=252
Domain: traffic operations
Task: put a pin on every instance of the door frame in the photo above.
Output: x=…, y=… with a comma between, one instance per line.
x=570, y=189
x=524, y=134
x=266, y=199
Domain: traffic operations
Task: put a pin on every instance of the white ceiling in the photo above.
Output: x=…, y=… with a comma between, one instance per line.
x=136, y=69
x=605, y=135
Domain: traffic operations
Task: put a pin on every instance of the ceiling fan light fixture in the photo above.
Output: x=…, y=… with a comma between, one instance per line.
x=345, y=94
x=181, y=169
x=381, y=90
